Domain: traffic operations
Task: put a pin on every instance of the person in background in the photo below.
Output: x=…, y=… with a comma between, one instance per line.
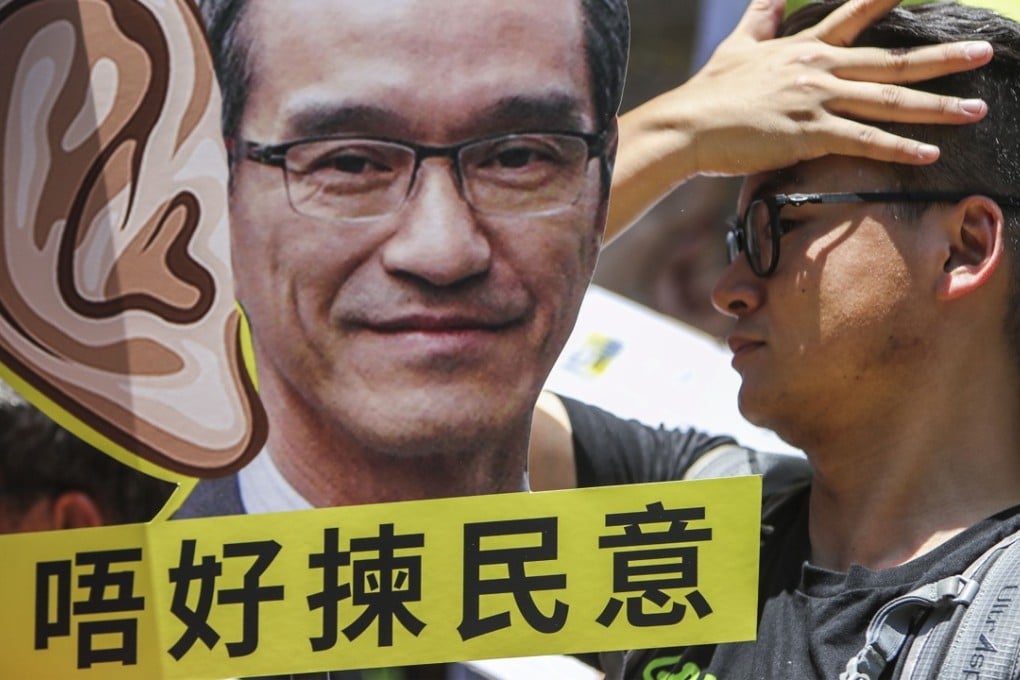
x=50, y=479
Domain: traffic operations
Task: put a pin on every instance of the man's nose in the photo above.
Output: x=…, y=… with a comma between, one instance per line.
x=437, y=238
x=738, y=292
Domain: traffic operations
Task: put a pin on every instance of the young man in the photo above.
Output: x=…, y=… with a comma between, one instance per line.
x=419, y=194
x=877, y=327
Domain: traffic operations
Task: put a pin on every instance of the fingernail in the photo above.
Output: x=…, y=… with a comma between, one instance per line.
x=973, y=107
x=927, y=151
x=977, y=50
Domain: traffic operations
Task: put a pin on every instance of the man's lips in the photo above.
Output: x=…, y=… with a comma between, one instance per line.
x=464, y=339
x=740, y=344
x=437, y=323
x=431, y=323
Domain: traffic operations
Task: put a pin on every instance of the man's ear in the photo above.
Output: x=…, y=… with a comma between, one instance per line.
x=75, y=510
x=612, y=144
x=976, y=236
x=606, y=164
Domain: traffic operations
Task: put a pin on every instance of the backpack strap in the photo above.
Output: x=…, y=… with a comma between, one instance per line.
x=959, y=614
x=982, y=640
x=892, y=624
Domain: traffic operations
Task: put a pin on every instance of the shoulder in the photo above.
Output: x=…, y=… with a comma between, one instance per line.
x=613, y=450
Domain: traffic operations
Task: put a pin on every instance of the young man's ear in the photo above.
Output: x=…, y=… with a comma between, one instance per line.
x=976, y=241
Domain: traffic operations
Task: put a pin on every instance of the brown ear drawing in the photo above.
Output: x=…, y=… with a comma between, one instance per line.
x=116, y=294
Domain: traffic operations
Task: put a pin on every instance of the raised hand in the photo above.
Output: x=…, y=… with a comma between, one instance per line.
x=763, y=103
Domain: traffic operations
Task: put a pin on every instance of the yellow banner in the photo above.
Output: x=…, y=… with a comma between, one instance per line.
x=386, y=585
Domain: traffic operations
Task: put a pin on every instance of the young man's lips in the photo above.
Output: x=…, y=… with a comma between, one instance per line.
x=742, y=345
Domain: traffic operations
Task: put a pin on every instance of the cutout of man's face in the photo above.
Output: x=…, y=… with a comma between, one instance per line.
x=115, y=286
x=434, y=326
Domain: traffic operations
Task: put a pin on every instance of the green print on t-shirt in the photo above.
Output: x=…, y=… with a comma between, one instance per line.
x=657, y=670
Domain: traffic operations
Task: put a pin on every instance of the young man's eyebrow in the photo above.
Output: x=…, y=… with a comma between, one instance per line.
x=785, y=179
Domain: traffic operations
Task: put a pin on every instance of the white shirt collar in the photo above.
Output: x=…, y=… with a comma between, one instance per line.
x=264, y=488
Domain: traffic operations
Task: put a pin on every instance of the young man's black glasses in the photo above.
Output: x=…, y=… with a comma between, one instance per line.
x=757, y=233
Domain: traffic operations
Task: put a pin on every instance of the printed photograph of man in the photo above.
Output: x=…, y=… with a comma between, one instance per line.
x=410, y=249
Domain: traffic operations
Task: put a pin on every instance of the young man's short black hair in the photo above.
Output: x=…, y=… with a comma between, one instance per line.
x=983, y=158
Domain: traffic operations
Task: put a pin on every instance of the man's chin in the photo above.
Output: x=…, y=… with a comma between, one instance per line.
x=419, y=438
x=755, y=405
x=433, y=422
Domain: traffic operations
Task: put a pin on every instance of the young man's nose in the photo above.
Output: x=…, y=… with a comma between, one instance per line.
x=738, y=291
x=437, y=237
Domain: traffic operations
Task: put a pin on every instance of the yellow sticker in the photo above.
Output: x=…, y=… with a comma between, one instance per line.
x=386, y=585
x=594, y=355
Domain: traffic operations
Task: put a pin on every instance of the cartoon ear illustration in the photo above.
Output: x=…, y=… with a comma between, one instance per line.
x=116, y=294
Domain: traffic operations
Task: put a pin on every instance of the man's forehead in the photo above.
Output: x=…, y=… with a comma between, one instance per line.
x=316, y=114
x=519, y=65
x=776, y=181
x=826, y=174
x=784, y=180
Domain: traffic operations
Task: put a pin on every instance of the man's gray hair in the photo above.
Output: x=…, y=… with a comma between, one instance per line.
x=607, y=41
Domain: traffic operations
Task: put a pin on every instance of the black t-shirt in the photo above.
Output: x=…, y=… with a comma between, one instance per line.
x=811, y=620
x=608, y=450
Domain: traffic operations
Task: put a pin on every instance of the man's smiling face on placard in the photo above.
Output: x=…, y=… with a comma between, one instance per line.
x=428, y=315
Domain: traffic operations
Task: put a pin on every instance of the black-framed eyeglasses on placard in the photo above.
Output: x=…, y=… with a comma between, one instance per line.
x=758, y=231
x=359, y=178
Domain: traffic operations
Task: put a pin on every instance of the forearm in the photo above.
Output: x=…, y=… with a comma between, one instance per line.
x=551, y=455
x=656, y=155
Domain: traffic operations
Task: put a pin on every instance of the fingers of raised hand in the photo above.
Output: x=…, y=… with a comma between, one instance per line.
x=903, y=66
x=760, y=20
x=850, y=138
x=892, y=103
x=846, y=22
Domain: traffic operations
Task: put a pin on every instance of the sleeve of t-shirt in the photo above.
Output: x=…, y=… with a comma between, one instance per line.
x=612, y=450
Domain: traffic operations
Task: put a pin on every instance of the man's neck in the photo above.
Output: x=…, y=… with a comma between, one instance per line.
x=913, y=475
